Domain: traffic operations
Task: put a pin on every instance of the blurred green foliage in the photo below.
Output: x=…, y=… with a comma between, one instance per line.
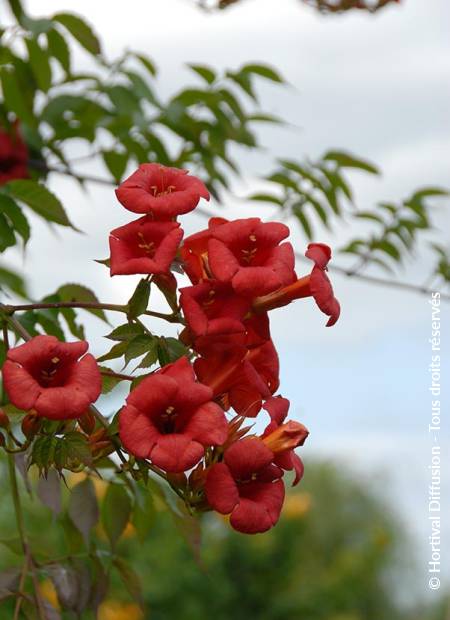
x=337, y=554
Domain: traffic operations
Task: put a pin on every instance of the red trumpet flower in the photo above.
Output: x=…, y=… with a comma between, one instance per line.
x=247, y=253
x=13, y=155
x=247, y=486
x=170, y=418
x=160, y=191
x=144, y=246
x=316, y=285
x=242, y=382
x=214, y=315
x=52, y=377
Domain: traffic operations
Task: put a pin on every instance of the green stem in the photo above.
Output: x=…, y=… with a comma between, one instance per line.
x=9, y=310
x=22, y=534
x=14, y=323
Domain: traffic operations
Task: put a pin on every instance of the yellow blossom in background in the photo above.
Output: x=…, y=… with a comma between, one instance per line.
x=296, y=506
x=48, y=592
x=115, y=610
x=99, y=484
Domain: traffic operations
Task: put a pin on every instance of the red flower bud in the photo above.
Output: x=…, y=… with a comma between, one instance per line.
x=286, y=437
x=31, y=425
x=4, y=420
x=13, y=155
x=87, y=422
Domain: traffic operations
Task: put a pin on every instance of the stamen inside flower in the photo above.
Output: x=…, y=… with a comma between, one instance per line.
x=211, y=299
x=147, y=246
x=157, y=192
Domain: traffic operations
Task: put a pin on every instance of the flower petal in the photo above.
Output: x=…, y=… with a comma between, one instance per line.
x=208, y=425
x=176, y=452
x=137, y=432
x=220, y=488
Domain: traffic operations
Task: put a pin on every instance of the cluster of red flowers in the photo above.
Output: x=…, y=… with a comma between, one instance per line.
x=239, y=270
x=13, y=155
x=177, y=416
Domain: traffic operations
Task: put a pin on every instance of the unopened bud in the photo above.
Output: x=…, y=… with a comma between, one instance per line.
x=286, y=437
x=31, y=425
x=4, y=420
x=87, y=422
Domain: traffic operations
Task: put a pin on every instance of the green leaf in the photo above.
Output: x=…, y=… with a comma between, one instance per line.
x=36, y=26
x=130, y=579
x=40, y=65
x=7, y=236
x=138, y=346
x=299, y=214
x=83, y=508
x=152, y=355
x=170, y=349
x=116, y=510
x=77, y=450
x=367, y=215
x=116, y=163
x=116, y=351
x=109, y=382
x=13, y=281
x=208, y=74
x=15, y=215
x=244, y=82
x=80, y=30
x=138, y=302
x=49, y=491
x=15, y=96
x=143, y=517
x=267, y=198
x=40, y=200
x=78, y=292
x=263, y=71
x=147, y=63
x=388, y=248
x=13, y=544
x=58, y=48
x=428, y=192
x=345, y=160
x=125, y=332
x=43, y=452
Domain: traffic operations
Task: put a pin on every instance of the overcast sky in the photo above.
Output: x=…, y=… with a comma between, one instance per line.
x=374, y=85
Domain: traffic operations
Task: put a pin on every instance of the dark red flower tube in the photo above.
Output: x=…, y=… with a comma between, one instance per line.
x=214, y=315
x=170, y=418
x=144, y=246
x=247, y=486
x=242, y=381
x=247, y=253
x=13, y=155
x=54, y=378
x=316, y=285
x=160, y=191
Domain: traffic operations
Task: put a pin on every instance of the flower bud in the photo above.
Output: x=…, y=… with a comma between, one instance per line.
x=4, y=420
x=87, y=422
x=286, y=437
x=31, y=425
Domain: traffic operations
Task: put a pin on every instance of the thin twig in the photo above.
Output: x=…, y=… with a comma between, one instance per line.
x=83, y=305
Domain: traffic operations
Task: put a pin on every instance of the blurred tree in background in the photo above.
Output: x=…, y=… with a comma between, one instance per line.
x=337, y=554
